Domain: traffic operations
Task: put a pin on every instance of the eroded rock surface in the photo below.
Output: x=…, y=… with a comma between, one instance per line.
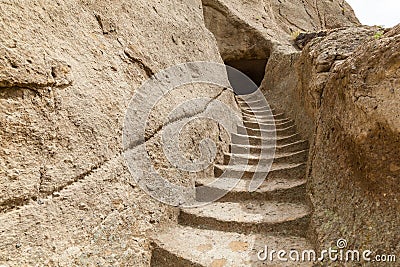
x=294, y=82
x=341, y=90
x=252, y=29
x=68, y=70
x=355, y=165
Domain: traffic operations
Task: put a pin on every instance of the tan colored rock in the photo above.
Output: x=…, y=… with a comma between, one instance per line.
x=249, y=32
x=341, y=90
x=68, y=70
x=294, y=82
x=253, y=29
x=355, y=181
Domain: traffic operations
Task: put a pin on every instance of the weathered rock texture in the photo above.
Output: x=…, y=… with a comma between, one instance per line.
x=294, y=81
x=69, y=68
x=355, y=166
x=259, y=30
x=253, y=29
x=67, y=72
x=341, y=90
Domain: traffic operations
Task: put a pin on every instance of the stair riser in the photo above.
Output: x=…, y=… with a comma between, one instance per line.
x=242, y=140
x=267, y=132
x=296, y=227
x=257, y=150
x=291, y=195
x=251, y=98
x=263, y=115
x=161, y=257
x=265, y=121
x=253, y=103
x=291, y=173
x=259, y=110
x=246, y=130
x=296, y=158
x=269, y=125
x=279, y=132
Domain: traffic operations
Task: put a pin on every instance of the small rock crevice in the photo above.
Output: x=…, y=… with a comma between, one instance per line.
x=138, y=59
x=137, y=143
x=17, y=203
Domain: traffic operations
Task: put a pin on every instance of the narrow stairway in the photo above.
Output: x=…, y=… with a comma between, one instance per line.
x=232, y=230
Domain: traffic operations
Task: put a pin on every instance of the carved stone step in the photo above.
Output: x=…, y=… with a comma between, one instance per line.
x=249, y=217
x=237, y=190
x=278, y=170
x=268, y=149
x=290, y=157
x=267, y=120
x=261, y=125
x=263, y=114
x=258, y=108
x=186, y=246
x=267, y=132
x=240, y=139
x=253, y=103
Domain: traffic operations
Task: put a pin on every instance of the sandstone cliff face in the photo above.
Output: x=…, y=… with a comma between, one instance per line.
x=258, y=30
x=341, y=90
x=250, y=29
x=294, y=81
x=355, y=167
x=68, y=70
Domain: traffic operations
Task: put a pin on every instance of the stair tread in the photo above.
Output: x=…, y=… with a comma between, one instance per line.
x=259, y=110
x=242, y=185
x=210, y=247
x=262, y=114
x=265, y=106
x=252, y=168
x=276, y=156
x=251, y=212
x=280, y=137
x=273, y=123
x=270, y=146
x=268, y=130
x=264, y=120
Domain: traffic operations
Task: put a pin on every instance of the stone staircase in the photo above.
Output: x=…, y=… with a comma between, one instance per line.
x=232, y=230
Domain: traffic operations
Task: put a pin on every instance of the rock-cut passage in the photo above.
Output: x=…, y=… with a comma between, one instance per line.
x=253, y=68
x=232, y=230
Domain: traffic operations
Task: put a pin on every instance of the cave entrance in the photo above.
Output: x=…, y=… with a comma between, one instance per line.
x=253, y=68
x=241, y=47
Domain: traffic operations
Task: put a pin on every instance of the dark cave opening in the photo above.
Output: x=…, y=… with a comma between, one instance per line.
x=253, y=68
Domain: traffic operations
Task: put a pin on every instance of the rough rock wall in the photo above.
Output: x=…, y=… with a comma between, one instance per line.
x=342, y=89
x=255, y=29
x=355, y=165
x=294, y=81
x=68, y=70
x=265, y=29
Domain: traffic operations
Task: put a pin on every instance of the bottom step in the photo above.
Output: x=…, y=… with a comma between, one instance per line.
x=185, y=246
